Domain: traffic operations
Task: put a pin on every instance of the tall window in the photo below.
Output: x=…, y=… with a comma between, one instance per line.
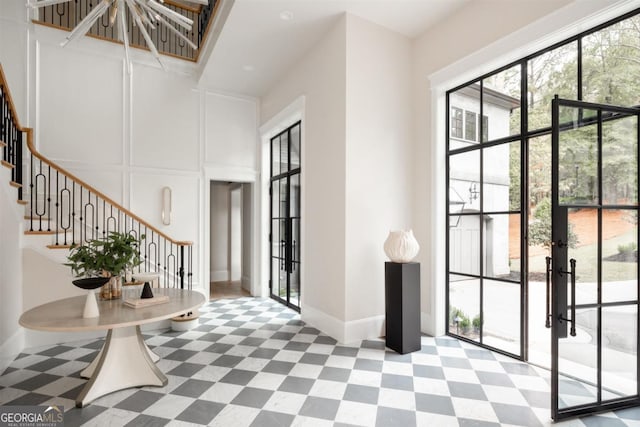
x=495, y=198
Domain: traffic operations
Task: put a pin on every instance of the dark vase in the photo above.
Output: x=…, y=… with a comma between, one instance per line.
x=90, y=282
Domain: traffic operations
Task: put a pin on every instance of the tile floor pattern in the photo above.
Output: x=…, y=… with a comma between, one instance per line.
x=252, y=362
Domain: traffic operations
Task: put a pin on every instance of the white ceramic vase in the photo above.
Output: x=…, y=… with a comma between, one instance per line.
x=401, y=246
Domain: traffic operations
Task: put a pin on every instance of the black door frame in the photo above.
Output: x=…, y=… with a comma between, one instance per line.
x=289, y=245
x=563, y=308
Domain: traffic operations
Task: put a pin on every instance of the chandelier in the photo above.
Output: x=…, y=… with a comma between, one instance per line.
x=146, y=14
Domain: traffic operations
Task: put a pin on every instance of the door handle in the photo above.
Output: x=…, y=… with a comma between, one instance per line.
x=547, y=322
x=572, y=273
x=293, y=257
x=282, y=249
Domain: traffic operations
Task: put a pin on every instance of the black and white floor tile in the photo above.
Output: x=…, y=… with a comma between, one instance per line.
x=252, y=362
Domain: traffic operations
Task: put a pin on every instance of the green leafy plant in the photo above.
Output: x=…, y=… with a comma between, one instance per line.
x=540, y=227
x=476, y=322
x=110, y=256
x=628, y=248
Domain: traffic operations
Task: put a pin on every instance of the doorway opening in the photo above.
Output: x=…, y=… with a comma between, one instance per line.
x=230, y=239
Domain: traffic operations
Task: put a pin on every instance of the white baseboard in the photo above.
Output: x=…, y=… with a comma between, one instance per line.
x=344, y=332
x=429, y=326
x=363, y=329
x=218, y=275
x=245, y=282
x=10, y=349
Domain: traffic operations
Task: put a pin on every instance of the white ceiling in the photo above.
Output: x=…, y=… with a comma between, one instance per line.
x=256, y=45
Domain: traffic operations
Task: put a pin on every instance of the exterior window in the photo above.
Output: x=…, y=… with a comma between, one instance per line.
x=470, y=126
x=456, y=122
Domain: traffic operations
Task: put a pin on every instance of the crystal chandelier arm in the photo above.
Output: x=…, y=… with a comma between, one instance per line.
x=176, y=32
x=144, y=33
x=124, y=33
x=87, y=22
x=170, y=14
x=45, y=3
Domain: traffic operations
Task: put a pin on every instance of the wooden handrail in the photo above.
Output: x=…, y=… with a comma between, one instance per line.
x=214, y=13
x=3, y=83
x=36, y=154
x=194, y=9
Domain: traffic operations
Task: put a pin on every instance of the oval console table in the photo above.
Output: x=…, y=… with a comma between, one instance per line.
x=125, y=361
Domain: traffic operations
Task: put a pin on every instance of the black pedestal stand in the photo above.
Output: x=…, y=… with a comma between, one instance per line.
x=402, y=306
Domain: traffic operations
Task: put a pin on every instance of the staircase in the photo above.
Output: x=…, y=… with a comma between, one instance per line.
x=61, y=210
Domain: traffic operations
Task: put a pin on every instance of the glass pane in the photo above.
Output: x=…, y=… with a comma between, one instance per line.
x=284, y=153
x=501, y=315
x=577, y=362
x=501, y=104
x=277, y=273
x=583, y=247
x=275, y=199
x=283, y=197
x=619, y=351
x=295, y=147
x=552, y=73
x=464, y=178
x=464, y=307
x=539, y=247
x=502, y=246
x=294, y=277
x=295, y=196
x=501, y=178
x=578, y=160
x=610, y=63
x=464, y=124
x=620, y=161
x=275, y=156
x=619, y=255
x=277, y=234
x=464, y=245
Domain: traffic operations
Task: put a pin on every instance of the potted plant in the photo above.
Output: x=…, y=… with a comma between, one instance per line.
x=108, y=257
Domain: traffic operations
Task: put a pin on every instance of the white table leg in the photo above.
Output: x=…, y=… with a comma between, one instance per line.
x=88, y=371
x=124, y=362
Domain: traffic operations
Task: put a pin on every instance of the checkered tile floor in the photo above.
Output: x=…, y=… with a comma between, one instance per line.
x=252, y=362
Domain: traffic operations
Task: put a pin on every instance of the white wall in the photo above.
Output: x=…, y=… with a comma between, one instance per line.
x=378, y=173
x=319, y=76
x=219, y=232
x=235, y=232
x=128, y=135
x=356, y=86
x=11, y=337
x=247, y=240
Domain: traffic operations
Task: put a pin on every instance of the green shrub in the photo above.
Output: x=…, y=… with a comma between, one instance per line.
x=628, y=248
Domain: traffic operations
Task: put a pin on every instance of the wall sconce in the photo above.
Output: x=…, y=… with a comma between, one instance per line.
x=166, y=206
x=473, y=192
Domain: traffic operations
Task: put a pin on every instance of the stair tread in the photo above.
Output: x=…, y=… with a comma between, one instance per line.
x=15, y=184
x=59, y=246
x=7, y=164
x=22, y=202
x=3, y=144
x=42, y=232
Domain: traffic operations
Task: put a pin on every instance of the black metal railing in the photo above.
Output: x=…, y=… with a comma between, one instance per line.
x=74, y=213
x=68, y=15
x=11, y=136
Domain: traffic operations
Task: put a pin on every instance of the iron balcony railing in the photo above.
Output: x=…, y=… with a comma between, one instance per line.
x=67, y=15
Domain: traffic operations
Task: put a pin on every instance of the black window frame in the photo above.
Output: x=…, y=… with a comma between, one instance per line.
x=523, y=138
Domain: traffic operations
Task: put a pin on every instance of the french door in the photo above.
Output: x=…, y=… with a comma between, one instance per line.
x=284, y=236
x=592, y=274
